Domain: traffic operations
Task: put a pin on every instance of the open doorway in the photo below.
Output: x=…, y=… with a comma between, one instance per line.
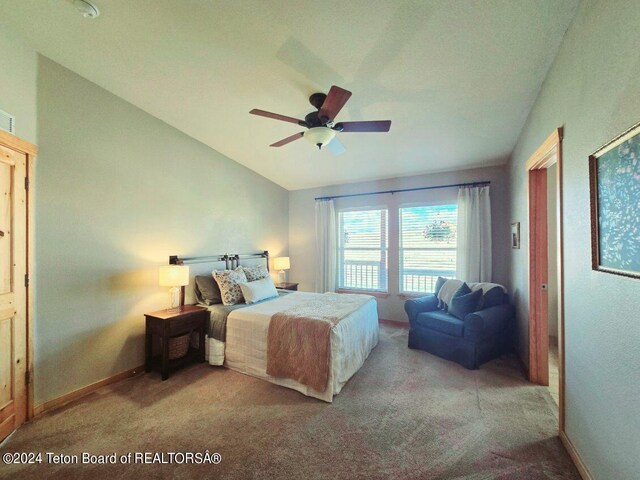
x=546, y=308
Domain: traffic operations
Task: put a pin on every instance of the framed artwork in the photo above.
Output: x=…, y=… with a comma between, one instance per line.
x=515, y=235
x=614, y=177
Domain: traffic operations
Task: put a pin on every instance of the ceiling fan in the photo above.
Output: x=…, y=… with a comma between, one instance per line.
x=321, y=129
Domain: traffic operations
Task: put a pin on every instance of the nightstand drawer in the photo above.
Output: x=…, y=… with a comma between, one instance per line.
x=191, y=322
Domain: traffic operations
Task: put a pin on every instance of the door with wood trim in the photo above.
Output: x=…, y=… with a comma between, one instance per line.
x=13, y=290
x=548, y=154
x=539, y=278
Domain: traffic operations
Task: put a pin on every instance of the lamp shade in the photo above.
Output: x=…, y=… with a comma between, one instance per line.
x=281, y=263
x=174, y=276
x=320, y=136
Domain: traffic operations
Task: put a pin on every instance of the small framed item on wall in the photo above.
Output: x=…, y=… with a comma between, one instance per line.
x=614, y=178
x=515, y=235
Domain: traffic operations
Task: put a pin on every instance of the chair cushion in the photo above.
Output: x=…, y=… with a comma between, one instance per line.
x=441, y=322
x=464, y=302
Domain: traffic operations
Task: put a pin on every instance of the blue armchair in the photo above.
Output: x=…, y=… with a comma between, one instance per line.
x=482, y=335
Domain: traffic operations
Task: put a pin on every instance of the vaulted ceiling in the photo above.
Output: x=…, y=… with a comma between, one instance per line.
x=457, y=78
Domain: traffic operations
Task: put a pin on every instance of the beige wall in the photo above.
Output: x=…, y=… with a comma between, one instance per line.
x=118, y=192
x=593, y=91
x=302, y=222
x=18, y=77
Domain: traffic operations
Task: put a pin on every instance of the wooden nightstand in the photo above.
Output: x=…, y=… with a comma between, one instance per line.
x=287, y=286
x=171, y=323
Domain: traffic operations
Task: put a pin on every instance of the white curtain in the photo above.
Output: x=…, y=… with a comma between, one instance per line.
x=474, y=234
x=325, y=246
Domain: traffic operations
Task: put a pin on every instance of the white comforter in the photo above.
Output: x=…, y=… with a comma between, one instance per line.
x=246, y=343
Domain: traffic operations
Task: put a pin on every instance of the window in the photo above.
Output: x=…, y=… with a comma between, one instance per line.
x=427, y=246
x=362, y=249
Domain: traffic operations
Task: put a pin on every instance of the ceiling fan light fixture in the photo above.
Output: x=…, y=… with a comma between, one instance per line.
x=86, y=8
x=321, y=124
x=319, y=136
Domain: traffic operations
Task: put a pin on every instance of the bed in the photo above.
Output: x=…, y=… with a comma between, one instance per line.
x=238, y=335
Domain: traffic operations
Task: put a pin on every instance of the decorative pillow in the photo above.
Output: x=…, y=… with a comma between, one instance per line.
x=228, y=281
x=259, y=290
x=492, y=293
x=461, y=290
x=493, y=297
x=207, y=290
x=257, y=272
x=447, y=291
x=439, y=283
x=464, y=301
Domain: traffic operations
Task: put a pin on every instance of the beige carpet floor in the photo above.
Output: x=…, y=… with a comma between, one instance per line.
x=405, y=415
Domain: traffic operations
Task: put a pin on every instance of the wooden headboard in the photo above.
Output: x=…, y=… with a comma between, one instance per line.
x=228, y=260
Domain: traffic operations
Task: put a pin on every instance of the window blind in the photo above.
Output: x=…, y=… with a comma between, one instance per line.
x=362, y=249
x=428, y=235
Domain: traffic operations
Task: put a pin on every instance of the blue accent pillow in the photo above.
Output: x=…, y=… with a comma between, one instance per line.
x=464, y=301
x=493, y=297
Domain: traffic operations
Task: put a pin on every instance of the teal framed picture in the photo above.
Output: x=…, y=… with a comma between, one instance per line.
x=614, y=175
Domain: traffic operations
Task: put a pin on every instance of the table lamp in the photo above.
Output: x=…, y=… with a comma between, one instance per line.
x=281, y=264
x=174, y=276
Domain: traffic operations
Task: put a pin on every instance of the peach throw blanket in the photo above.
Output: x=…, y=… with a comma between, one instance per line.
x=299, y=339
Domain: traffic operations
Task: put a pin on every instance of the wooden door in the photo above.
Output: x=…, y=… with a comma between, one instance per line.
x=13, y=290
x=539, y=279
x=549, y=153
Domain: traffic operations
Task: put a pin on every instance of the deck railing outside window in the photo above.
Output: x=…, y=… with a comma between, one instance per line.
x=421, y=281
x=361, y=275
x=428, y=236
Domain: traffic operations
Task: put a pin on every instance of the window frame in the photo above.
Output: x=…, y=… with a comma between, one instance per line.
x=384, y=259
x=401, y=249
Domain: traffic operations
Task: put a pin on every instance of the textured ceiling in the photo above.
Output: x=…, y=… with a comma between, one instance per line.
x=457, y=78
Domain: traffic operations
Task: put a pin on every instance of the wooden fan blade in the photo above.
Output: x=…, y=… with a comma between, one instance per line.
x=334, y=102
x=276, y=116
x=373, y=126
x=290, y=139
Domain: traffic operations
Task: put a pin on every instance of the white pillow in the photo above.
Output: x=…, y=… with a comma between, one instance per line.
x=445, y=294
x=259, y=290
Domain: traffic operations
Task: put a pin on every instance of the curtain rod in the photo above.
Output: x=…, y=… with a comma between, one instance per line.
x=472, y=184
